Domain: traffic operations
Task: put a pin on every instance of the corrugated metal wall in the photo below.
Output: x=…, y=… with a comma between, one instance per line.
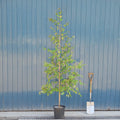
x=24, y=30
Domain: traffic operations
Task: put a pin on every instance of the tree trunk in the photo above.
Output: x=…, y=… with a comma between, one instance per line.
x=59, y=85
x=59, y=66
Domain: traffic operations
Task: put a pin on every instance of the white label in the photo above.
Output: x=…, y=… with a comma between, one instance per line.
x=90, y=109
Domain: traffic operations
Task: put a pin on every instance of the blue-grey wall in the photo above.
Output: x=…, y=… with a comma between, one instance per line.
x=24, y=30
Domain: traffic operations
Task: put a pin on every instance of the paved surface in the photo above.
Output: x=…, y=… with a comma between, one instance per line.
x=71, y=115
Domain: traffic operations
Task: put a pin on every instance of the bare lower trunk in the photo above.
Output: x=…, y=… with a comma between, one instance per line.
x=59, y=68
x=59, y=85
x=59, y=76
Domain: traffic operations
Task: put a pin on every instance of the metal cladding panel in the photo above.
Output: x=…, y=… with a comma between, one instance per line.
x=24, y=30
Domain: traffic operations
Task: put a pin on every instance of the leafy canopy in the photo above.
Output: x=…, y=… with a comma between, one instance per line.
x=61, y=54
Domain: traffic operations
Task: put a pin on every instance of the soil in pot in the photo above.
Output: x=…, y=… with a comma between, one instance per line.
x=59, y=111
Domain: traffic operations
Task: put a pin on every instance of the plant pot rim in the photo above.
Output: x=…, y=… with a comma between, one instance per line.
x=57, y=106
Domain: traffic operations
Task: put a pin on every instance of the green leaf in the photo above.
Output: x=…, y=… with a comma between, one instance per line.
x=60, y=12
x=66, y=24
x=50, y=19
x=44, y=48
x=62, y=93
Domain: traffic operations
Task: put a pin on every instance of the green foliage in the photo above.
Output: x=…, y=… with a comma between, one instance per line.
x=61, y=54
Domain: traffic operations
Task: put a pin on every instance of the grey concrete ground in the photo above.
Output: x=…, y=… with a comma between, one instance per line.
x=71, y=115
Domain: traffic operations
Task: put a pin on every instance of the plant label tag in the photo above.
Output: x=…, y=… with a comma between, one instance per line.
x=90, y=107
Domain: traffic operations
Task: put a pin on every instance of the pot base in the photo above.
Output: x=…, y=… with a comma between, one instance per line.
x=59, y=111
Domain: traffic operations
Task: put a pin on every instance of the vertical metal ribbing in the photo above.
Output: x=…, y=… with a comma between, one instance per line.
x=27, y=62
x=93, y=50
x=38, y=57
x=89, y=42
x=7, y=51
x=78, y=7
x=114, y=45
x=97, y=56
x=22, y=51
x=72, y=42
x=41, y=56
x=12, y=52
x=3, y=53
x=101, y=58
x=109, y=55
x=30, y=54
x=36, y=99
x=98, y=66
x=17, y=39
x=118, y=55
x=1, y=89
x=46, y=42
x=32, y=40
x=113, y=57
x=36, y=91
x=112, y=48
x=107, y=75
x=94, y=54
x=85, y=49
x=117, y=61
x=113, y=77
x=7, y=42
x=112, y=52
x=16, y=64
x=2, y=58
x=7, y=55
x=65, y=8
x=17, y=67
x=30, y=37
x=35, y=50
x=103, y=54
x=75, y=100
x=80, y=54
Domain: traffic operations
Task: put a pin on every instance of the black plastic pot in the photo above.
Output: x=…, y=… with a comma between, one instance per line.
x=59, y=111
